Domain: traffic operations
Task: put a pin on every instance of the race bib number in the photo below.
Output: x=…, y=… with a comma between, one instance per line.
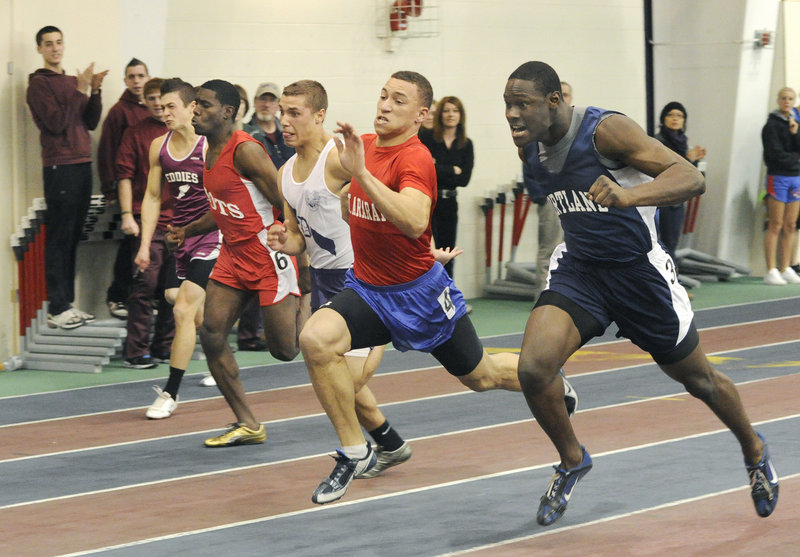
x=281, y=260
x=446, y=303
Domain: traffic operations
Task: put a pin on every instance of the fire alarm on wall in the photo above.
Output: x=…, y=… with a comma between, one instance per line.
x=764, y=38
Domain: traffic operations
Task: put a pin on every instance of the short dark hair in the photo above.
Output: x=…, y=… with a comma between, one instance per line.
x=153, y=84
x=312, y=90
x=422, y=83
x=177, y=85
x=136, y=62
x=226, y=93
x=45, y=30
x=544, y=78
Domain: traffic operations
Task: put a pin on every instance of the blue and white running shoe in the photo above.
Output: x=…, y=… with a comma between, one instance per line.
x=763, y=483
x=554, y=502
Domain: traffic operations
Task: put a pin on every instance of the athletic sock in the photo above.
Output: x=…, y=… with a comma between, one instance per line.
x=174, y=381
x=387, y=437
x=355, y=451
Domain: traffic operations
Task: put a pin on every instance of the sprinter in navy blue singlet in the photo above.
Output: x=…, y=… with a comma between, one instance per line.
x=605, y=176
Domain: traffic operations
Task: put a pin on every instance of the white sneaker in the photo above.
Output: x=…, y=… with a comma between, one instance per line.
x=87, y=317
x=67, y=319
x=208, y=381
x=118, y=310
x=790, y=276
x=774, y=277
x=163, y=407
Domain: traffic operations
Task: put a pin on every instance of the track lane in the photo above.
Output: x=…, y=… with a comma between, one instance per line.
x=285, y=487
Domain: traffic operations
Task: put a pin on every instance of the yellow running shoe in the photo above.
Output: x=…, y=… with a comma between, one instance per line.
x=238, y=434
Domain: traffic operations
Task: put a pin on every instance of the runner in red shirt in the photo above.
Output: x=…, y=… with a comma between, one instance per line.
x=242, y=190
x=396, y=291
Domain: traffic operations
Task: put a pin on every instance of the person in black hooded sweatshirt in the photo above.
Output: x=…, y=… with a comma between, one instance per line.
x=673, y=134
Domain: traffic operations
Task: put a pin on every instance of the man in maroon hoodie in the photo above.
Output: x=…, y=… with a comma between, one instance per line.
x=64, y=108
x=128, y=111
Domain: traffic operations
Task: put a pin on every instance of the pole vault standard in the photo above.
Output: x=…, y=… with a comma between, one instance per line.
x=488, y=212
x=696, y=267
x=513, y=280
x=500, y=200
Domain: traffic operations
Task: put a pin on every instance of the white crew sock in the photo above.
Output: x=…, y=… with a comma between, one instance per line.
x=355, y=451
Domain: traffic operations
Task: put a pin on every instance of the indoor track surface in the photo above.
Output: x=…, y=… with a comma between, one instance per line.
x=84, y=473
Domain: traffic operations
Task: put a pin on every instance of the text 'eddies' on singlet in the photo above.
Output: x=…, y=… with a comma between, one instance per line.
x=184, y=178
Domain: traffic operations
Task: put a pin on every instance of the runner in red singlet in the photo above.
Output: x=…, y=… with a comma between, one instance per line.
x=242, y=190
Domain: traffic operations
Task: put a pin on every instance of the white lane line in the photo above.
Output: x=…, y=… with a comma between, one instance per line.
x=602, y=520
x=132, y=408
x=421, y=438
x=383, y=374
x=450, y=484
x=759, y=302
x=387, y=405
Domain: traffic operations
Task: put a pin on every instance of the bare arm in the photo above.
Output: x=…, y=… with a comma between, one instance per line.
x=675, y=179
x=344, y=203
x=151, y=202
x=286, y=237
x=252, y=162
x=409, y=209
x=203, y=225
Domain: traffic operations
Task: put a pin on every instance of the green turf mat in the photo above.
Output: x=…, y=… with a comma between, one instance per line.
x=491, y=317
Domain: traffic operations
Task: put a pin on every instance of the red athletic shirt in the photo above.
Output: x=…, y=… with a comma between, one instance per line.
x=238, y=207
x=383, y=254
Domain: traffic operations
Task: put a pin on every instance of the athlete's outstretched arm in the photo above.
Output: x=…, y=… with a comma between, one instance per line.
x=252, y=162
x=675, y=180
x=409, y=209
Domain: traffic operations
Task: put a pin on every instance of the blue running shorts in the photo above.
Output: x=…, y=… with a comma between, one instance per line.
x=421, y=314
x=785, y=189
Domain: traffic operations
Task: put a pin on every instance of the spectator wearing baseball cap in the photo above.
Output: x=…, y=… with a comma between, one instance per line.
x=265, y=125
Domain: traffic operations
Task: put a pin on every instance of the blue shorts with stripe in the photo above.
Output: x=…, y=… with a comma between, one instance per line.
x=644, y=299
x=785, y=189
x=325, y=284
x=421, y=314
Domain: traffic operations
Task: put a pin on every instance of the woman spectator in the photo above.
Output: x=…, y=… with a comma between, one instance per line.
x=454, y=157
x=244, y=107
x=782, y=156
x=673, y=134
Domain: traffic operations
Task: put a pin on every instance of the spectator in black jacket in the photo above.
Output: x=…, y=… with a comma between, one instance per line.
x=782, y=157
x=454, y=157
x=673, y=134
